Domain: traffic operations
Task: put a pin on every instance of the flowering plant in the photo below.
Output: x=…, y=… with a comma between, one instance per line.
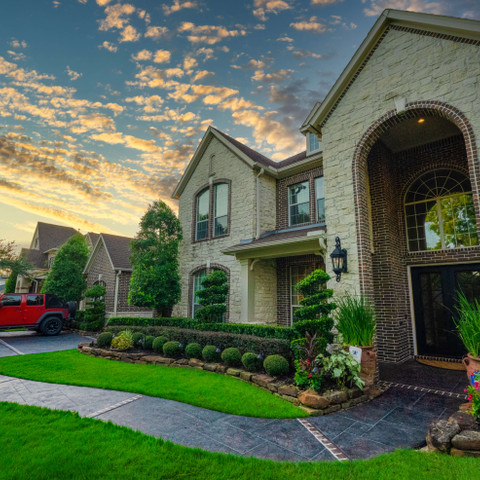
x=473, y=391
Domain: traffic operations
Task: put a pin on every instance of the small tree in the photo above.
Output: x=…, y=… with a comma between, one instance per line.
x=94, y=315
x=66, y=279
x=213, y=297
x=155, y=282
x=11, y=263
x=11, y=282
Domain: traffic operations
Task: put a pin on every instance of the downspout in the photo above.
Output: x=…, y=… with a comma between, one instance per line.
x=257, y=178
x=115, y=299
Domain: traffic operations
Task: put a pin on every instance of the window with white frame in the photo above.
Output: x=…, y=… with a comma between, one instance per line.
x=299, y=204
x=297, y=274
x=220, y=198
x=313, y=144
x=202, y=210
x=320, y=199
x=198, y=276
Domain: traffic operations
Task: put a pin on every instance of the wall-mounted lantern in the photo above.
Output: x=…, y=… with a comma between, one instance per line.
x=339, y=259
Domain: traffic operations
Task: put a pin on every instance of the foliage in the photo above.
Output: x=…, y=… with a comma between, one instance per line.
x=155, y=282
x=251, y=362
x=11, y=282
x=138, y=339
x=104, y=339
x=158, y=343
x=473, y=391
x=231, y=357
x=193, y=350
x=212, y=297
x=307, y=374
x=94, y=314
x=245, y=343
x=210, y=354
x=355, y=321
x=266, y=331
x=172, y=349
x=468, y=324
x=276, y=365
x=340, y=369
x=148, y=342
x=123, y=341
x=66, y=279
x=12, y=263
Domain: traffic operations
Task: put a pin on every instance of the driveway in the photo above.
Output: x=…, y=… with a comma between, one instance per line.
x=22, y=343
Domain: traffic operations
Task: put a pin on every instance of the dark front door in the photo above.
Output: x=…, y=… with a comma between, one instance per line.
x=434, y=298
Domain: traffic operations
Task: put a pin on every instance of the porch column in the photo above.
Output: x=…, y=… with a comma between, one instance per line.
x=247, y=292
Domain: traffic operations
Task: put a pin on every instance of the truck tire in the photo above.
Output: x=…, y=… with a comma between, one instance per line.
x=51, y=326
x=72, y=309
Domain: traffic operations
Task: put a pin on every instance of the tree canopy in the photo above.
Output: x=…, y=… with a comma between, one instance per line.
x=155, y=282
x=66, y=279
x=12, y=264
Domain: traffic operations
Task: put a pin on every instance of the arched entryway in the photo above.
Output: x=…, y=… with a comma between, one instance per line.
x=406, y=168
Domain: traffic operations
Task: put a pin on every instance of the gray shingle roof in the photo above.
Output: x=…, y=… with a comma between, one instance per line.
x=53, y=236
x=119, y=250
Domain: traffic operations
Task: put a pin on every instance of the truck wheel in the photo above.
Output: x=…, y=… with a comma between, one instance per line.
x=72, y=309
x=51, y=326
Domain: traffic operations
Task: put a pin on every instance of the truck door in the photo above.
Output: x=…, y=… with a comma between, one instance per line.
x=33, y=309
x=11, y=310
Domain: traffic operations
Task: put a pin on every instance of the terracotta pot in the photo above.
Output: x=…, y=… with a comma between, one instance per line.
x=368, y=364
x=472, y=364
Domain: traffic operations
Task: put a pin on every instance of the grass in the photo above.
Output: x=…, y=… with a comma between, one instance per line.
x=196, y=387
x=43, y=444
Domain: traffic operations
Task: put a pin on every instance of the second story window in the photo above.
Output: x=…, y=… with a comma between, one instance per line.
x=203, y=207
x=220, y=207
x=299, y=204
x=313, y=145
x=320, y=199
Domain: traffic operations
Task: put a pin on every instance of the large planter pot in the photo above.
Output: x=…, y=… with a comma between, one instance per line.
x=368, y=364
x=472, y=364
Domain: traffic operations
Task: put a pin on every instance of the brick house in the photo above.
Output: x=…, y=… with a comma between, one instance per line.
x=109, y=265
x=391, y=168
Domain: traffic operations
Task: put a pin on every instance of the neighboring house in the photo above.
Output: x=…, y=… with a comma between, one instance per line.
x=391, y=168
x=109, y=265
x=3, y=280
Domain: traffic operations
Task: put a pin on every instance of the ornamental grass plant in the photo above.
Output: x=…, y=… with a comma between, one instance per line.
x=468, y=323
x=355, y=320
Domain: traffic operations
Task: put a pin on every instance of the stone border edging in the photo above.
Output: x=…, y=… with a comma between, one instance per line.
x=309, y=400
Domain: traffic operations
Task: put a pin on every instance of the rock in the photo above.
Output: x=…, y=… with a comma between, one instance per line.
x=246, y=376
x=464, y=453
x=354, y=392
x=158, y=360
x=358, y=400
x=195, y=363
x=221, y=368
x=337, y=397
x=289, y=390
x=467, y=440
x=85, y=349
x=273, y=387
x=181, y=361
x=440, y=434
x=290, y=399
x=332, y=409
x=465, y=421
x=234, y=372
x=262, y=380
x=210, y=367
x=347, y=404
x=312, y=399
x=85, y=344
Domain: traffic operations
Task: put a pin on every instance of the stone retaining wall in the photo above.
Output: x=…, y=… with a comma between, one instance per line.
x=314, y=403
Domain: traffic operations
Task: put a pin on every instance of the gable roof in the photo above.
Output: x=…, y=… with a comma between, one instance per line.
x=118, y=251
x=36, y=258
x=51, y=236
x=448, y=26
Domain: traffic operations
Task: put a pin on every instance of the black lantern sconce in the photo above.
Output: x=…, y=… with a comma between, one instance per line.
x=339, y=259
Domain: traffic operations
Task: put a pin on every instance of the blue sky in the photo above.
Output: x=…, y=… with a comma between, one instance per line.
x=102, y=103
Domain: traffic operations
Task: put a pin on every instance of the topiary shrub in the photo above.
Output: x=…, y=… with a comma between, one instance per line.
x=212, y=297
x=138, y=339
x=193, y=350
x=172, y=349
x=104, y=339
x=158, y=344
x=232, y=357
x=276, y=365
x=251, y=362
x=123, y=341
x=210, y=354
x=148, y=342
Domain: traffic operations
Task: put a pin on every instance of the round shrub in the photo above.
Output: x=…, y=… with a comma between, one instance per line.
x=158, y=344
x=210, y=354
x=276, y=365
x=251, y=362
x=232, y=357
x=193, y=350
x=123, y=341
x=148, y=342
x=138, y=339
x=104, y=339
x=172, y=349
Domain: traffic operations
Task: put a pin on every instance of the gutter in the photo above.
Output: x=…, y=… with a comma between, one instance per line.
x=117, y=283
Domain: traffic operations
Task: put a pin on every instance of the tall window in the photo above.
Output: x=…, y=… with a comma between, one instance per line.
x=320, y=199
x=297, y=274
x=203, y=206
x=197, y=285
x=299, y=204
x=313, y=145
x=439, y=211
x=220, y=196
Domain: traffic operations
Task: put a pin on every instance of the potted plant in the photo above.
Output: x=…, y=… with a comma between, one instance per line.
x=468, y=326
x=356, y=326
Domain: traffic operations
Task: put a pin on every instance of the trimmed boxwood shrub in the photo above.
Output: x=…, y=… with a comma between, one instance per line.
x=232, y=357
x=138, y=338
x=193, y=350
x=276, y=365
x=158, y=344
x=148, y=342
x=251, y=362
x=210, y=354
x=104, y=339
x=172, y=349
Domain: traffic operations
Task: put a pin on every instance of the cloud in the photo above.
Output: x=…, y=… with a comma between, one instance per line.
x=116, y=138
x=150, y=104
x=18, y=43
x=177, y=6
x=264, y=7
x=102, y=3
x=189, y=63
x=439, y=7
x=308, y=54
x=142, y=55
x=201, y=75
x=117, y=16
x=285, y=39
x=311, y=25
x=156, y=32
x=274, y=76
x=162, y=56
x=251, y=65
x=323, y=3
x=129, y=34
x=72, y=74
x=209, y=34
x=111, y=47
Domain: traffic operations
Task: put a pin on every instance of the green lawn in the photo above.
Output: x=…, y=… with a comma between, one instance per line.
x=197, y=387
x=42, y=444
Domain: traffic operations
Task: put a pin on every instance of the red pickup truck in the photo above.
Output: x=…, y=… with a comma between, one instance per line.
x=44, y=313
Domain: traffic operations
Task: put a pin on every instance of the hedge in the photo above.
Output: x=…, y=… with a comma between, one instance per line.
x=222, y=340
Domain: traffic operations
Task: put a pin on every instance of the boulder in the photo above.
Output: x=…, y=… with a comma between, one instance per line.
x=181, y=361
x=195, y=363
x=289, y=390
x=464, y=453
x=234, y=372
x=210, y=367
x=337, y=397
x=467, y=440
x=246, y=376
x=312, y=399
x=464, y=420
x=262, y=380
x=440, y=434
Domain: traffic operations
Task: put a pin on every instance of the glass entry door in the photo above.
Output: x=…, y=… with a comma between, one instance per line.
x=434, y=297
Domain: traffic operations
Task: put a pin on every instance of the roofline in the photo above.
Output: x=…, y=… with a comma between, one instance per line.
x=94, y=251
x=296, y=167
x=436, y=23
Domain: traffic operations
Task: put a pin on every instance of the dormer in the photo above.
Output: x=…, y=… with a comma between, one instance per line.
x=313, y=143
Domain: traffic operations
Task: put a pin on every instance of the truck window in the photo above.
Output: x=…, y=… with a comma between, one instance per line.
x=52, y=301
x=34, y=300
x=11, y=300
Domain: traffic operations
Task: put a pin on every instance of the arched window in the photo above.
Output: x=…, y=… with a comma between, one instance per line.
x=203, y=207
x=439, y=211
x=198, y=276
x=220, y=202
